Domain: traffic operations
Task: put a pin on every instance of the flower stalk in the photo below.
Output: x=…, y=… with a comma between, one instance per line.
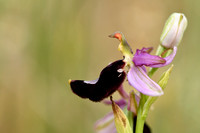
x=140, y=118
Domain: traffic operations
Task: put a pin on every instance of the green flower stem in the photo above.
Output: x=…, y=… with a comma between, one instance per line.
x=160, y=50
x=143, y=110
x=152, y=71
x=147, y=106
x=140, y=119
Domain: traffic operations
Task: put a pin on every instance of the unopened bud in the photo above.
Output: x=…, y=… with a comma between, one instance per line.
x=173, y=30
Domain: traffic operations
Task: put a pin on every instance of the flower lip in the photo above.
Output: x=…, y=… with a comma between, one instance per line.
x=108, y=82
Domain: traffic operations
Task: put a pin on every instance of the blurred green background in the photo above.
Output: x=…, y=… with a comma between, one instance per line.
x=44, y=43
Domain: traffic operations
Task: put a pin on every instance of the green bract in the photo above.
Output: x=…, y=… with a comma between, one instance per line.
x=121, y=122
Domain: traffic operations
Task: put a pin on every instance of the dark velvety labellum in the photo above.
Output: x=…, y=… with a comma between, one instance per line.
x=109, y=81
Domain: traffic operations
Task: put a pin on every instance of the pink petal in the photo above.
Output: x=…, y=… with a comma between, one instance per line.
x=138, y=78
x=168, y=59
x=142, y=57
x=147, y=59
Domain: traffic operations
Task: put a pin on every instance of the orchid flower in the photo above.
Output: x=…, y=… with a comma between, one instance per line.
x=113, y=75
x=137, y=76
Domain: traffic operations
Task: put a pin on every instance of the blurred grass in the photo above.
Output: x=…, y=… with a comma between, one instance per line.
x=43, y=43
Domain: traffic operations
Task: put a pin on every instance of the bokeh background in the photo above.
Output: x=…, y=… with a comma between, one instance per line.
x=44, y=43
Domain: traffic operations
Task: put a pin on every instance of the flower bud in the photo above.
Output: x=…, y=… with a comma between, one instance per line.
x=173, y=30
